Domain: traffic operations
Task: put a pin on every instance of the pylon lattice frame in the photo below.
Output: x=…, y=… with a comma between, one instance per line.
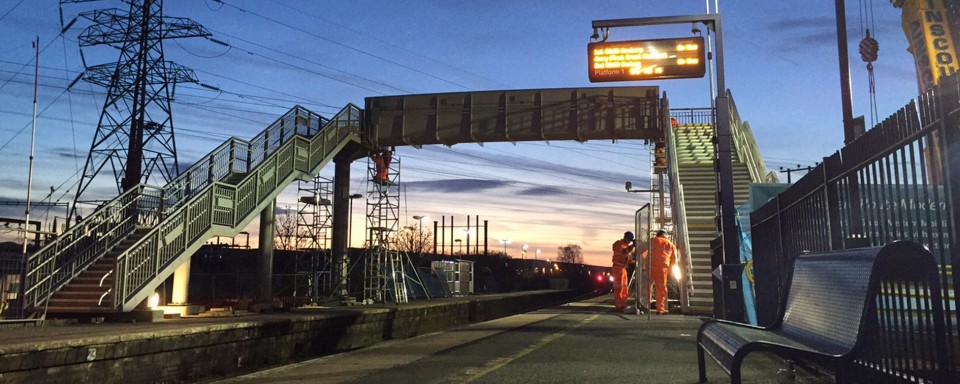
x=135, y=134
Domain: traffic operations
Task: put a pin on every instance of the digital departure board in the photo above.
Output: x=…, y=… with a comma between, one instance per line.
x=646, y=59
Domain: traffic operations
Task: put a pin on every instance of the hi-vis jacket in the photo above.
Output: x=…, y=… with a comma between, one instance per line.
x=621, y=253
x=664, y=252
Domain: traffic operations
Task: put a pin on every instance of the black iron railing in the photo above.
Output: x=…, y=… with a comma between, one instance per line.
x=898, y=181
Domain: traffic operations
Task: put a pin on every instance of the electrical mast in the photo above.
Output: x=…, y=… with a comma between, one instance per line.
x=135, y=136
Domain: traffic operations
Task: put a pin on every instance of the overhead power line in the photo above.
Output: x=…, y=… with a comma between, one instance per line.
x=7, y=13
x=303, y=68
x=359, y=32
x=331, y=41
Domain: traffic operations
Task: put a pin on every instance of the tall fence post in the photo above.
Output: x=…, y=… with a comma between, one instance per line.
x=946, y=106
x=835, y=210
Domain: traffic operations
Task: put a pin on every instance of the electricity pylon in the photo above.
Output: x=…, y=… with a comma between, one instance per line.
x=135, y=135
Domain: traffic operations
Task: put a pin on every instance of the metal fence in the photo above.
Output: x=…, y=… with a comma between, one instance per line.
x=898, y=181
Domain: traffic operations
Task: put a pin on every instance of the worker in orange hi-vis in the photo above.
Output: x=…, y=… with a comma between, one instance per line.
x=664, y=258
x=622, y=257
x=381, y=162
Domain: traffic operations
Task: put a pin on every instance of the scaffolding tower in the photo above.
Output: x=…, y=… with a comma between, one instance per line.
x=384, y=268
x=314, y=260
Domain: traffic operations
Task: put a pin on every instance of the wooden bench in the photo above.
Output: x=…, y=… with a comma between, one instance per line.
x=837, y=312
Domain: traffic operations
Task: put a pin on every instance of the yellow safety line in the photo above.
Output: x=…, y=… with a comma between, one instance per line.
x=499, y=363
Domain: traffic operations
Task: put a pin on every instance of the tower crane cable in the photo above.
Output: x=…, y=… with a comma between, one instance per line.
x=869, y=50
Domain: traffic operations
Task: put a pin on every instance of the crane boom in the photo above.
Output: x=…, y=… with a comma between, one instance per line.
x=932, y=29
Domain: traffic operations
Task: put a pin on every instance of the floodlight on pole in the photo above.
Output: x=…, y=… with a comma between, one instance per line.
x=420, y=219
x=629, y=187
x=505, y=242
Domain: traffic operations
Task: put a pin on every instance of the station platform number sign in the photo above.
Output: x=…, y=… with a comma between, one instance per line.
x=646, y=59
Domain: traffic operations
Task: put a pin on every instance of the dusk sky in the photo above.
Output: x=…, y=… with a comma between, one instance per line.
x=781, y=66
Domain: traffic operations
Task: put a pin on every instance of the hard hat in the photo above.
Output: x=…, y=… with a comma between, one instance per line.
x=661, y=233
x=628, y=235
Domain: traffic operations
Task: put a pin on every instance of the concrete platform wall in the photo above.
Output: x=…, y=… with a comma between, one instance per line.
x=199, y=351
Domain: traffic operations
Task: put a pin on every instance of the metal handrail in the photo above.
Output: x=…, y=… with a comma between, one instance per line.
x=747, y=149
x=184, y=226
x=71, y=253
x=58, y=262
x=679, y=213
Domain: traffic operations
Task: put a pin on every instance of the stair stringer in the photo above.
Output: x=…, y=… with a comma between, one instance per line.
x=138, y=294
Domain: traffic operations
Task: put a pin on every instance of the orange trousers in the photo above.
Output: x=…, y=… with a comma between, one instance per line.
x=621, y=287
x=659, y=274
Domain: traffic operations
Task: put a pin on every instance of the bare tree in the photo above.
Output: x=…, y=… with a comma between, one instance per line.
x=415, y=240
x=570, y=253
x=285, y=230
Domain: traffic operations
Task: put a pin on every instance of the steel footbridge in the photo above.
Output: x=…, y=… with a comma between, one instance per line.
x=115, y=258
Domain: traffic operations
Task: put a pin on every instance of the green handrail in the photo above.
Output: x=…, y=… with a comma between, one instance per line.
x=145, y=206
x=747, y=149
x=227, y=206
x=679, y=212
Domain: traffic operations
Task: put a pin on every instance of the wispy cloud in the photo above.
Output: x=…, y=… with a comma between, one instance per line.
x=543, y=191
x=455, y=185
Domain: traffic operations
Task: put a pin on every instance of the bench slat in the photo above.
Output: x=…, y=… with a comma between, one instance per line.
x=827, y=299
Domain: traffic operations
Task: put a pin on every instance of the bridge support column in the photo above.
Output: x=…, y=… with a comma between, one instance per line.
x=265, y=259
x=181, y=284
x=341, y=224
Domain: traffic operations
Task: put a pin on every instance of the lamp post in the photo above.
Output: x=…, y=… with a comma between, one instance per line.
x=538, y=254
x=461, y=245
x=466, y=233
x=523, y=251
x=420, y=240
x=350, y=221
x=505, y=242
x=662, y=213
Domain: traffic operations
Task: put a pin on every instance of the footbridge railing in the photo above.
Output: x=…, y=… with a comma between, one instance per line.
x=746, y=147
x=144, y=206
x=678, y=211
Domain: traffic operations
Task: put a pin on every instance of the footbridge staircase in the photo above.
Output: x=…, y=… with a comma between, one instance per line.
x=116, y=257
x=693, y=179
